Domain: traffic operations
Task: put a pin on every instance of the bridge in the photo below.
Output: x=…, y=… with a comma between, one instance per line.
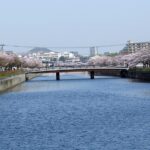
x=92, y=71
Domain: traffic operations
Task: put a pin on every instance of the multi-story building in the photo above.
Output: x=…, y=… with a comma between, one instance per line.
x=93, y=51
x=53, y=56
x=132, y=47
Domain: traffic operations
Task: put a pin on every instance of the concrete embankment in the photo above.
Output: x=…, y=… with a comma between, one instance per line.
x=139, y=75
x=119, y=73
x=108, y=73
x=10, y=82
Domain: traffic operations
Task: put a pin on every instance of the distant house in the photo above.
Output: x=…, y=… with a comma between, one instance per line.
x=9, y=52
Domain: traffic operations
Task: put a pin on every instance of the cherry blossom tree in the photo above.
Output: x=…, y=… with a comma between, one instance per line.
x=141, y=56
x=3, y=59
x=10, y=61
x=129, y=60
x=103, y=61
x=31, y=63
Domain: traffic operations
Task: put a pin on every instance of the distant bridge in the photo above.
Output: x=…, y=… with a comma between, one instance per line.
x=92, y=70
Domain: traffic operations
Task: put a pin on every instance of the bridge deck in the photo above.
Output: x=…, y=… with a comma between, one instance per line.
x=77, y=70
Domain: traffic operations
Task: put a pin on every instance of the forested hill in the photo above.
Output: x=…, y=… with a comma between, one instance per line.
x=39, y=50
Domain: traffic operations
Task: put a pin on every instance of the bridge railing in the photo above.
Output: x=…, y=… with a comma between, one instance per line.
x=78, y=67
x=70, y=67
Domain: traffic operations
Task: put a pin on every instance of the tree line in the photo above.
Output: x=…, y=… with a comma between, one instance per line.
x=129, y=60
x=12, y=61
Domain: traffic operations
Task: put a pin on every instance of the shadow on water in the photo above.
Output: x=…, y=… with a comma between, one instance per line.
x=139, y=81
x=42, y=83
x=71, y=79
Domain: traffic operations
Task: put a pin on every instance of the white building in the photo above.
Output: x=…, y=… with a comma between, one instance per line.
x=52, y=56
x=68, y=55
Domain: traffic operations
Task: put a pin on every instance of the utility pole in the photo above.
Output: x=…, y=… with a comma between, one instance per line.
x=2, y=47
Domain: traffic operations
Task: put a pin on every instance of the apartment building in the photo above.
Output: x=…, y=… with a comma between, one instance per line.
x=132, y=47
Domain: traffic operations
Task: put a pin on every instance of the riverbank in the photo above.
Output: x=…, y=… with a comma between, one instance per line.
x=9, y=82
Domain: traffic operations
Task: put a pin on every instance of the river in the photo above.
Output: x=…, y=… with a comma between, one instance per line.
x=76, y=113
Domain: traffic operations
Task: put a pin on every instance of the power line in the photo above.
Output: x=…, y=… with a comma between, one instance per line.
x=66, y=47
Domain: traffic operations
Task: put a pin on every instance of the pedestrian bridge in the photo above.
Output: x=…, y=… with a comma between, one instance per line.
x=92, y=71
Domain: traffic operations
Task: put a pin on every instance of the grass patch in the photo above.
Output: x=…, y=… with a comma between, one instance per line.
x=5, y=74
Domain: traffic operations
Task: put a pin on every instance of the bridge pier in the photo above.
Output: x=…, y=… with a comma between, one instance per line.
x=57, y=76
x=92, y=74
x=124, y=73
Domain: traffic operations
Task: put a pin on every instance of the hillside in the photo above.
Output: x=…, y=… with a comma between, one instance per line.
x=39, y=50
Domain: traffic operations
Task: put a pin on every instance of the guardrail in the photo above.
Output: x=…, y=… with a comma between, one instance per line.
x=79, y=67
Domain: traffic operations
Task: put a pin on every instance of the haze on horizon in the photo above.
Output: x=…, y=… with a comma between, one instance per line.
x=61, y=23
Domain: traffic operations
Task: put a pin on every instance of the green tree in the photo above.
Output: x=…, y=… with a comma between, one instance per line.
x=62, y=58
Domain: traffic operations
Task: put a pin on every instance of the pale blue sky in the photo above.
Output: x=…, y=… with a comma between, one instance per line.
x=73, y=22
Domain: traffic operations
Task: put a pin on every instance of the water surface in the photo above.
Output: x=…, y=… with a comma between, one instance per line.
x=76, y=113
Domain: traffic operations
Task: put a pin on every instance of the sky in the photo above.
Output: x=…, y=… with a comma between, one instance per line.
x=73, y=23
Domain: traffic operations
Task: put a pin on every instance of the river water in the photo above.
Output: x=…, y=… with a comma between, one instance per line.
x=76, y=113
